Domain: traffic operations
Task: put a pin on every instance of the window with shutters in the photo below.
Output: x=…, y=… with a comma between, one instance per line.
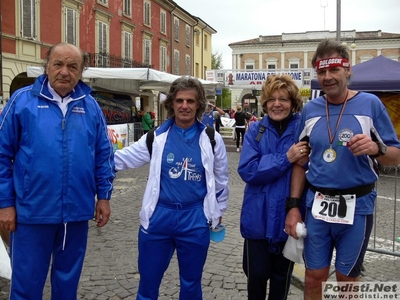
x=70, y=26
x=28, y=19
x=163, y=58
x=187, y=64
x=188, y=35
x=127, y=48
x=147, y=52
x=103, y=45
x=176, y=29
x=176, y=62
x=128, y=8
x=163, y=22
x=147, y=13
x=205, y=42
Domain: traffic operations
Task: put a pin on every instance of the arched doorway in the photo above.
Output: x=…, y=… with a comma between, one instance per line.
x=20, y=81
x=250, y=103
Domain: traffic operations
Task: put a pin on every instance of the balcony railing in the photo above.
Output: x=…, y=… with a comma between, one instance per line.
x=106, y=60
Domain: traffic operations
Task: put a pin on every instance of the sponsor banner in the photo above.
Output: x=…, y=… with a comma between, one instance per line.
x=118, y=135
x=117, y=108
x=210, y=75
x=256, y=78
x=305, y=92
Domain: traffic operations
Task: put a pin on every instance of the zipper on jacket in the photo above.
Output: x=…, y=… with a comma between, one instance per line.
x=63, y=124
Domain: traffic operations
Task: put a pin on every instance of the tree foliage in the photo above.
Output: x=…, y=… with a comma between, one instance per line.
x=216, y=61
x=224, y=101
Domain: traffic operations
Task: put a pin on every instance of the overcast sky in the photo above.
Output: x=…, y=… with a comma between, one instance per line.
x=239, y=20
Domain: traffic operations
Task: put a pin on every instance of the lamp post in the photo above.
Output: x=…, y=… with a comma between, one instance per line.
x=338, y=12
x=338, y=29
x=353, y=45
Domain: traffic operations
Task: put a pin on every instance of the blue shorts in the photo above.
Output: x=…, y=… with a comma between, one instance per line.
x=350, y=242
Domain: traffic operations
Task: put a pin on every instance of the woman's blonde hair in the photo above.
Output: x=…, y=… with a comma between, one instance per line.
x=285, y=82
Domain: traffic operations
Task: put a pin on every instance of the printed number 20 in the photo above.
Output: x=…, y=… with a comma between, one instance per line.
x=331, y=208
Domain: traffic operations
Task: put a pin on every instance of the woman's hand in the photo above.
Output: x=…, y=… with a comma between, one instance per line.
x=298, y=153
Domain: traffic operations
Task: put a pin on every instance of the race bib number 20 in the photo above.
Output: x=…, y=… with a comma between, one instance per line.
x=326, y=208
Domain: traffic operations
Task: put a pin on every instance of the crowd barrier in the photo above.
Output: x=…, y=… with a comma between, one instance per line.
x=385, y=236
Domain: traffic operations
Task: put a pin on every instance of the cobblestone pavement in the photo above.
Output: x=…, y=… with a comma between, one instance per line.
x=110, y=270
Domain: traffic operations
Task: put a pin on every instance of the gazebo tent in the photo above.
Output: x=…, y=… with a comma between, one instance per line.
x=130, y=80
x=379, y=76
x=124, y=84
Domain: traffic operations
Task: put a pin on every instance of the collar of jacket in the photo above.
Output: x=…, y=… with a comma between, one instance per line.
x=80, y=91
x=281, y=126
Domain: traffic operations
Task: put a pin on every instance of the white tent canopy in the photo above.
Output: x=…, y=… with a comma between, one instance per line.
x=120, y=79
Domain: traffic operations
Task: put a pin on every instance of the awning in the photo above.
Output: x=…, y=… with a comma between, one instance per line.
x=121, y=79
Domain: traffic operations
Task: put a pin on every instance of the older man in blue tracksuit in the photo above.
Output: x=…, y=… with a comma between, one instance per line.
x=55, y=157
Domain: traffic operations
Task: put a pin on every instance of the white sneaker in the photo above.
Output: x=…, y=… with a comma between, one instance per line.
x=237, y=149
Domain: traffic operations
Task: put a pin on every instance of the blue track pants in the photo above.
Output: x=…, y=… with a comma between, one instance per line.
x=173, y=227
x=32, y=248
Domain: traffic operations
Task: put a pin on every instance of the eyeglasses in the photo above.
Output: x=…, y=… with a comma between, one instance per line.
x=281, y=100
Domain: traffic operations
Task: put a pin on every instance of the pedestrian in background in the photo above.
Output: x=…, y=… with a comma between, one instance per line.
x=147, y=120
x=347, y=131
x=55, y=156
x=241, y=119
x=265, y=165
x=232, y=113
x=186, y=193
x=252, y=119
x=211, y=115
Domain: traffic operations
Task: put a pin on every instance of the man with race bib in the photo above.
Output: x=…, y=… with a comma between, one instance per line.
x=348, y=131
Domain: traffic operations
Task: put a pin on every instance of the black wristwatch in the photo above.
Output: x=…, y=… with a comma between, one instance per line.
x=382, y=149
x=292, y=203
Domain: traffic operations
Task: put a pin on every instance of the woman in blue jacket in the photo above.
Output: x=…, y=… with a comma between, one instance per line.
x=265, y=165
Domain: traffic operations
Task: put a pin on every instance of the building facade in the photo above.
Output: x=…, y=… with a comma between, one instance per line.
x=156, y=34
x=295, y=50
x=254, y=59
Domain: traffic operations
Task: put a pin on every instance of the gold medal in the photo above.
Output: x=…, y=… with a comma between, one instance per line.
x=329, y=155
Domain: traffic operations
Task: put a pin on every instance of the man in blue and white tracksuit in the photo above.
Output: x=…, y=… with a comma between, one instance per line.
x=186, y=193
x=55, y=157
